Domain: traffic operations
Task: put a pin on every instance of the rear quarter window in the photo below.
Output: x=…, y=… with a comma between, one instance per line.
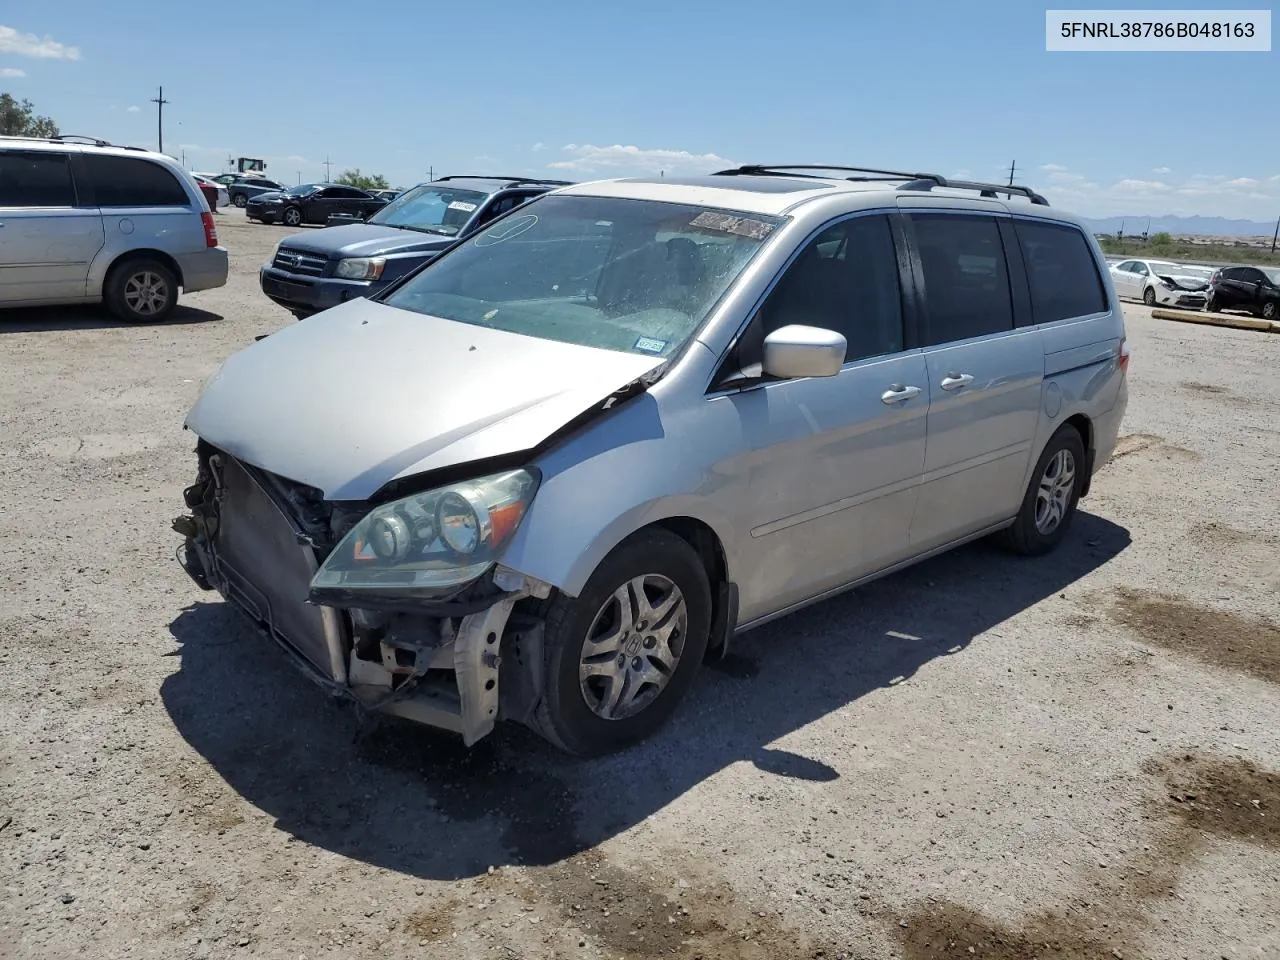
x=133, y=182
x=1061, y=272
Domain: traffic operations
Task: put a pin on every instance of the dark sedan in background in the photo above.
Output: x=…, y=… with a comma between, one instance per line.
x=312, y=203
x=244, y=189
x=1256, y=289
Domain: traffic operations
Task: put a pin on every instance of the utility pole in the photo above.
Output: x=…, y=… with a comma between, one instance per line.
x=299, y=175
x=431, y=173
x=1013, y=166
x=160, y=101
x=327, y=164
x=1275, y=236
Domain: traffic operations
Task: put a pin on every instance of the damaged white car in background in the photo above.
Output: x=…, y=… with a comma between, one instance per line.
x=1161, y=283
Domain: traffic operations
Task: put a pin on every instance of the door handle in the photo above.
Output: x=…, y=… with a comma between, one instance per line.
x=898, y=393
x=954, y=381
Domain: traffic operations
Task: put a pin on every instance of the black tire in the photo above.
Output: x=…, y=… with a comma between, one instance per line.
x=240, y=199
x=141, y=290
x=563, y=715
x=1028, y=538
x=1271, y=311
x=292, y=217
x=1149, y=296
x=1211, y=305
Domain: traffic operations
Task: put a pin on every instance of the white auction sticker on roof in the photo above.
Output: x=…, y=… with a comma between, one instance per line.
x=463, y=206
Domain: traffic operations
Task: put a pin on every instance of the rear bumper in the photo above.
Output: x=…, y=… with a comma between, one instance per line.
x=203, y=270
x=308, y=295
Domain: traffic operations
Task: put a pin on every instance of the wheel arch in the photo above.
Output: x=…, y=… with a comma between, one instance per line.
x=143, y=253
x=1084, y=426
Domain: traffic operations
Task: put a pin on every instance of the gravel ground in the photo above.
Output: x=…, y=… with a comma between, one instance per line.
x=984, y=757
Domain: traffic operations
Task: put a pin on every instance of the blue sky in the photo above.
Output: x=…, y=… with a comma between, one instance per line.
x=587, y=90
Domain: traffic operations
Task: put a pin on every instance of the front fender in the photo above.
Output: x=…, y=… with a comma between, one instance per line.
x=627, y=470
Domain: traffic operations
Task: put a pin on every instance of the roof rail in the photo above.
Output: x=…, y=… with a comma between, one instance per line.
x=512, y=180
x=915, y=181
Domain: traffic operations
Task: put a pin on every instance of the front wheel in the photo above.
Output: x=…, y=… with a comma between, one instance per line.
x=1149, y=296
x=1049, y=505
x=240, y=200
x=622, y=654
x=292, y=217
x=141, y=291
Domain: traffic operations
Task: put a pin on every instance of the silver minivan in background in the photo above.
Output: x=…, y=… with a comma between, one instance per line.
x=88, y=222
x=546, y=476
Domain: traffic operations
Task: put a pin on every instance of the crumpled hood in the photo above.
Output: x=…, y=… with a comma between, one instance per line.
x=364, y=240
x=1185, y=281
x=363, y=394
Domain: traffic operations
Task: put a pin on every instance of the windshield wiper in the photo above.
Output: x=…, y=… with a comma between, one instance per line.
x=411, y=226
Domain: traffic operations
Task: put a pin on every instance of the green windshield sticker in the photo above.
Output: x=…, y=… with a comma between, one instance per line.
x=650, y=345
x=725, y=223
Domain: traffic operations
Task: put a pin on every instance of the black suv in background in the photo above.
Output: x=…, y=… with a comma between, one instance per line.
x=1256, y=289
x=311, y=203
x=319, y=269
x=242, y=189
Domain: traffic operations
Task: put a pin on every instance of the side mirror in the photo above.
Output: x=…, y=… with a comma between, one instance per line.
x=797, y=351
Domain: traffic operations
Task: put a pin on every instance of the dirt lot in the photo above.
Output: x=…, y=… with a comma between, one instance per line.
x=1063, y=758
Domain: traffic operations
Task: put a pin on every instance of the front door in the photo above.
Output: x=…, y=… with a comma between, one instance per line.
x=835, y=461
x=984, y=380
x=46, y=241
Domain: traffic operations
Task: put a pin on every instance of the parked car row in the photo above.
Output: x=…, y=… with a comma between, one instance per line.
x=1164, y=283
x=546, y=474
x=315, y=270
x=85, y=221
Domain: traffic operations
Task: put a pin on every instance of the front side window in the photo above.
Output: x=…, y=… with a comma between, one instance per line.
x=1061, y=272
x=35, y=180
x=845, y=280
x=431, y=209
x=966, y=282
x=133, y=182
x=636, y=276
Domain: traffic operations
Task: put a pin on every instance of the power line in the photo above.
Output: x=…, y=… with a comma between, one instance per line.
x=160, y=101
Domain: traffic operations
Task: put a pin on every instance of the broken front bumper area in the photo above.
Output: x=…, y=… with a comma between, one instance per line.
x=459, y=664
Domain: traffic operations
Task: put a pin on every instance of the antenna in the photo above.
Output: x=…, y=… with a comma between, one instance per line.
x=160, y=101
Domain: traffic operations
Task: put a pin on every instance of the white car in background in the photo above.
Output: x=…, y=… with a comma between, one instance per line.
x=1160, y=283
x=224, y=198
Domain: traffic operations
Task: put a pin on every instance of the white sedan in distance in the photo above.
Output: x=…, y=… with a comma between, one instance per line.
x=1160, y=283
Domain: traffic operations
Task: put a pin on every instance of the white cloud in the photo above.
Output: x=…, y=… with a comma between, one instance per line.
x=12, y=72
x=1203, y=194
x=1052, y=168
x=135, y=109
x=619, y=160
x=1161, y=170
x=29, y=45
x=485, y=158
x=538, y=147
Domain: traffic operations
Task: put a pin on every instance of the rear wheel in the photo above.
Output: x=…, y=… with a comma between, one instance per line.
x=1211, y=305
x=1049, y=505
x=1149, y=296
x=621, y=655
x=1270, y=311
x=240, y=200
x=141, y=291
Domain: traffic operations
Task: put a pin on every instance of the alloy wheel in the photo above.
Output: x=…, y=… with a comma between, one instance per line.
x=633, y=647
x=1057, y=484
x=146, y=293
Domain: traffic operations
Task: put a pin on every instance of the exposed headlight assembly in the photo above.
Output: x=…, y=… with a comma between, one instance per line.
x=428, y=544
x=361, y=268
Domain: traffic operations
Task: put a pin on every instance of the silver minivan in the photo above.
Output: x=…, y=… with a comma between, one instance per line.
x=549, y=474
x=87, y=222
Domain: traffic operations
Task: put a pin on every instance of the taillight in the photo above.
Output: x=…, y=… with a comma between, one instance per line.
x=210, y=230
x=1122, y=356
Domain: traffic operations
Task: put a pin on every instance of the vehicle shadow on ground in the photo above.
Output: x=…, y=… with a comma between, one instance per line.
x=414, y=800
x=90, y=317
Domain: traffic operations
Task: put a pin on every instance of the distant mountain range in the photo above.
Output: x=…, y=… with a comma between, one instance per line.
x=1192, y=226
